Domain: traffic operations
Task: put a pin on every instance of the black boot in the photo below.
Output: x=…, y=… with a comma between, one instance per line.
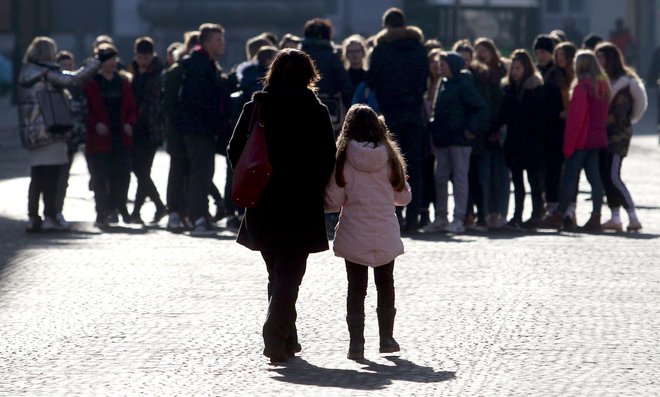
x=291, y=346
x=356, y=330
x=385, y=328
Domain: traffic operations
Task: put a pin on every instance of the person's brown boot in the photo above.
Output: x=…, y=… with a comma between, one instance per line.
x=593, y=224
x=554, y=221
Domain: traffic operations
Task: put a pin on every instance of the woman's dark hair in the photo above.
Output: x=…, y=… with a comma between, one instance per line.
x=463, y=45
x=318, y=28
x=496, y=66
x=292, y=69
x=567, y=73
x=362, y=124
x=615, y=65
x=523, y=57
x=432, y=44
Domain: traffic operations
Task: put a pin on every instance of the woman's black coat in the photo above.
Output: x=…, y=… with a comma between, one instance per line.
x=523, y=115
x=289, y=216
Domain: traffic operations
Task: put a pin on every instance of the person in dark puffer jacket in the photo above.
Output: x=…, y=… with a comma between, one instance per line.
x=335, y=81
x=398, y=72
x=460, y=117
x=201, y=118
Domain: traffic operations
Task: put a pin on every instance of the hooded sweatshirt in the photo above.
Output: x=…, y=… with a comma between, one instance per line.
x=368, y=229
x=458, y=108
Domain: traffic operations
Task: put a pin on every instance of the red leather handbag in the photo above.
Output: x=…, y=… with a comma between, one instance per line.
x=253, y=170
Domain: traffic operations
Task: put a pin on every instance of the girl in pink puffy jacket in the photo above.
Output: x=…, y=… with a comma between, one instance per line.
x=368, y=182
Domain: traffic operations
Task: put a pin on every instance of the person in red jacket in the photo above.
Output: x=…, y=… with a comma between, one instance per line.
x=584, y=136
x=110, y=121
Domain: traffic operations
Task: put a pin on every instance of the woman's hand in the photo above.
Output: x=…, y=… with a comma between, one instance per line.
x=101, y=129
x=562, y=115
x=469, y=136
x=128, y=130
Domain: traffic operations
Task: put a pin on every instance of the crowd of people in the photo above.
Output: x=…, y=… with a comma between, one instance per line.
x=465, y=115
x=369, y=133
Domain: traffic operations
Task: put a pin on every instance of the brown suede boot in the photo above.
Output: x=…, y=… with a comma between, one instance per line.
x=554, y=221
x=593, y=224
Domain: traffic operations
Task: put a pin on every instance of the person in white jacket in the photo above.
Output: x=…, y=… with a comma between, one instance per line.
x=368, y=182
x=628, y=103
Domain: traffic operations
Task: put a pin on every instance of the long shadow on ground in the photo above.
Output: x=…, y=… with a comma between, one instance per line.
x=373, y=376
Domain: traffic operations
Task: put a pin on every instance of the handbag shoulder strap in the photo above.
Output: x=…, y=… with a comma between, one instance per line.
x=255, y=116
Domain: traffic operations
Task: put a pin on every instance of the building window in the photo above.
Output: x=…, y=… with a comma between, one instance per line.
x=553, y=6
x=576, y=5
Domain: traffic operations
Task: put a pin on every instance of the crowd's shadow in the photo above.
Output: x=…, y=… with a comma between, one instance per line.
x=373, y=376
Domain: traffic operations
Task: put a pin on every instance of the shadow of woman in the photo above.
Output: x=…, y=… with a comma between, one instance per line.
x=372, y=377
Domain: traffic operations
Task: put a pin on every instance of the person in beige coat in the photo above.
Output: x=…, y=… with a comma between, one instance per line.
x=368, y=182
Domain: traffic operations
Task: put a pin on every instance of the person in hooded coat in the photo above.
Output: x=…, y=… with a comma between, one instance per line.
x=398, y=72
x=460, y=117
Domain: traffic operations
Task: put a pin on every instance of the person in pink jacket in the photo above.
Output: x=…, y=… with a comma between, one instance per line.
x=585, y=134
x=368, y=182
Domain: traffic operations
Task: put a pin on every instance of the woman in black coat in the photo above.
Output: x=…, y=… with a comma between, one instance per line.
x=523, y=148
x=301, y=148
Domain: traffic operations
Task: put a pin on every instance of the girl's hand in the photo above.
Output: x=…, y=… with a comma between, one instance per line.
x=470, y=136
x=128, y=130
x=101, y=129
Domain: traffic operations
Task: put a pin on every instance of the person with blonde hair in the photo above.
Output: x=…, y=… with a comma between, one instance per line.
x=47, y=151
x=585, y=135
x=354, y=52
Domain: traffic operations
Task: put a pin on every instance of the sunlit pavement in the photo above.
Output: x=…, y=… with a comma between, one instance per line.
x=144, y=311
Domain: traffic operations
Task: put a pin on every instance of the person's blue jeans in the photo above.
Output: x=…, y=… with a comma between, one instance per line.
x=495, y=182
x=589, y=161
x=200, y=149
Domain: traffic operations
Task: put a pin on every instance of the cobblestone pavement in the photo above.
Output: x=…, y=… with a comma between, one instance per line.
x=144, y=311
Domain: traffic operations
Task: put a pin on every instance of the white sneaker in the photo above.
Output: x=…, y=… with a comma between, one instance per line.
x=438, y=225
x=202, y=227
x=51, y=224
x=457, y=226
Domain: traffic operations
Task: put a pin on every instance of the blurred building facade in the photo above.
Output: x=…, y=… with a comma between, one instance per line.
x=511, y=23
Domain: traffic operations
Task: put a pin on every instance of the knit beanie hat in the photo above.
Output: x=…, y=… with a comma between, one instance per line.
x=591, y=41
x=544, y=42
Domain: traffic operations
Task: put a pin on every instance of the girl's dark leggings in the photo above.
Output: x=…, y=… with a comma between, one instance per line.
x=358, y=277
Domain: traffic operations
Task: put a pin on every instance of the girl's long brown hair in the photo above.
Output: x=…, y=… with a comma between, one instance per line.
x=497, y=66
x=566, y=74
x=615, y=66
x=362, y=124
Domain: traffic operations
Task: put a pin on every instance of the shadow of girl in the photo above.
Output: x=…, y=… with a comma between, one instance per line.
x=372, y=377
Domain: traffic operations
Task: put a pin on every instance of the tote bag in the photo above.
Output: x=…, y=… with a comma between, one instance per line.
x=253, y=170
x=55, y=110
